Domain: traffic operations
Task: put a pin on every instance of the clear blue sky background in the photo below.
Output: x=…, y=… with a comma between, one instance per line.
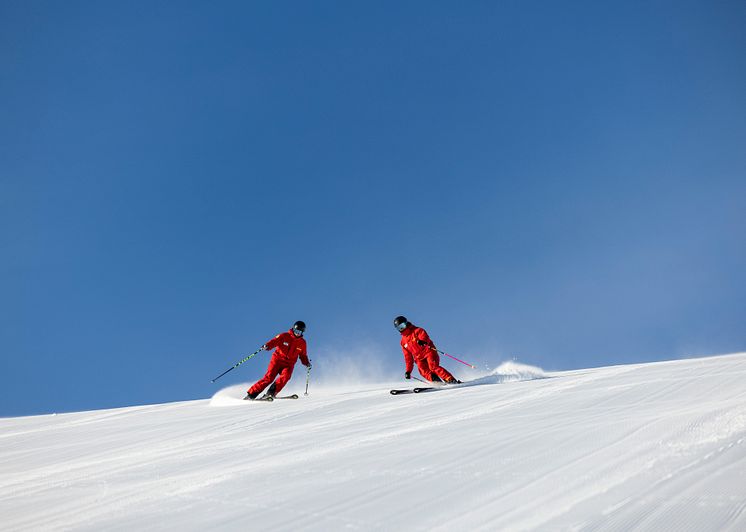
x=561, y=182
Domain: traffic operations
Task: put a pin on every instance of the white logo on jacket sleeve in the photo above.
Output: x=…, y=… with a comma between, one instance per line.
x=286, y=344
x=405, y=346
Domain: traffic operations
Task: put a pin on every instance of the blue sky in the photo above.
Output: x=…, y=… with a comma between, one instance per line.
x=563, y=183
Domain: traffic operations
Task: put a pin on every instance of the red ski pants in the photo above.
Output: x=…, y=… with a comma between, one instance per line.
x=277, y=366
x=431, y=364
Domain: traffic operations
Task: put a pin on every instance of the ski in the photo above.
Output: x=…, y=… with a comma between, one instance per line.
x=441, y=387
x=402, y=391
x=416, y=390
x=438, y=386
x=269, y=398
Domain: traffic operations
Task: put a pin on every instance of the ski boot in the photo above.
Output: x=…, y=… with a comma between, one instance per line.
x=270, y=395
x=250, y=396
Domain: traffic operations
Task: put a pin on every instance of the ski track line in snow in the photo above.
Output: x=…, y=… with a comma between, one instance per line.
x=687, y=493
x=75, y=419
x=653, y=447
x=163, y=451
x=68, y=476
x=607, y=476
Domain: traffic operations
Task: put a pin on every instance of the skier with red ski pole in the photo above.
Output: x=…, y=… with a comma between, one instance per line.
x=418, y=347
x=288, y=346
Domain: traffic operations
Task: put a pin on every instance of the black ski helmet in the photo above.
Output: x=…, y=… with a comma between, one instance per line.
x=299, y=326
x=399, y=321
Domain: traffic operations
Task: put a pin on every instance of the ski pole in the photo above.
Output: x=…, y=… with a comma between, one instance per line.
x=418, y=379
x=239, y=363
x=308, y=376
x=454, y=358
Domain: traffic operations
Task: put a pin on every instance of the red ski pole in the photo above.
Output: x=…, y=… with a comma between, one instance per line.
x=454, y=358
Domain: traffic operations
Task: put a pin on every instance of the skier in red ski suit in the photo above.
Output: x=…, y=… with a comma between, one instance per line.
x=418, y=347
x=288, y=347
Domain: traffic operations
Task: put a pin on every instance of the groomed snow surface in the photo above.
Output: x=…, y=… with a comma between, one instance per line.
x=655, y=447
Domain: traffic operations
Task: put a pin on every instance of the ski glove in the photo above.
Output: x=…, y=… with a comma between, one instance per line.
x=407, y=375
x=309, y=366
x=264, y=348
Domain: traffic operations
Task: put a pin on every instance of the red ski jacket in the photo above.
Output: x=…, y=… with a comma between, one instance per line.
x=412, y=349
x=288, y=348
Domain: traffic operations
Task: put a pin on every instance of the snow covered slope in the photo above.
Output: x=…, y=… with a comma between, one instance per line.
x=649, y=447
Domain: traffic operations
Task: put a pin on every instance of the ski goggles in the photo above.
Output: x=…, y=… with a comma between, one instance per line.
x=297, y=331
x=401, y=326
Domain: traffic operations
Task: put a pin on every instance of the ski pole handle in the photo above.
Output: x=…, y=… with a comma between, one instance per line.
x=252, y=355
x=454, y=358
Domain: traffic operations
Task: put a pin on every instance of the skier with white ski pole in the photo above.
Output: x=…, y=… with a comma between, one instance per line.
x=418, y=347
x=288, y=346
